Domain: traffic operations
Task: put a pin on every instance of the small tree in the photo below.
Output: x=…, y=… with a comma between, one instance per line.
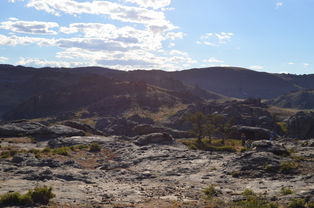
x=210, y=127
x=198, y=121
x=221, y=125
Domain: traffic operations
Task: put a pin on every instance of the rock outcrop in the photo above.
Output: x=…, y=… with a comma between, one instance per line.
x=301, y=125
x=155, y=138
x=37, y=130
x=254, y=133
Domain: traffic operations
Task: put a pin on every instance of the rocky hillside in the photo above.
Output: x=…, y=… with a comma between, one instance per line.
x=303, y=99
x=102, y=96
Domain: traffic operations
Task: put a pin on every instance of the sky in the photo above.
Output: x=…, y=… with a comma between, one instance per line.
x=264, y=35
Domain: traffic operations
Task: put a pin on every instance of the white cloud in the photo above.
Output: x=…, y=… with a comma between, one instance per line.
x=215, y=39
x=141, y=44
x=155, y=20
x=175, y=35
x=136, y=59
x=155, y=4
x=257, y=67
x=24, y=40
x=31, y=27
x=305, y=65
x=46, y=63
x=291, y=63
x=279, y=4
x=213, y=60
x=13, y=1
x=3, y=59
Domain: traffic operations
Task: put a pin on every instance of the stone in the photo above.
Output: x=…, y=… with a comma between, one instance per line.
x=254, y=133
x=268, y=146
x=82, y=126
x=254, y=164
x=79, y=140
x=155, y=138
x=301, y=125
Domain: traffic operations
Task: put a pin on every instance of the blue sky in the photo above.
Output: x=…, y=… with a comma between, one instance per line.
x=263, y=35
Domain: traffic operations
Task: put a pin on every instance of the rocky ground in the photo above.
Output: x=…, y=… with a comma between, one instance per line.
x=153, y=170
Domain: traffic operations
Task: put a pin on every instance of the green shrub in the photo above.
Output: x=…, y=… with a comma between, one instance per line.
x=210, y=192
x=248, y=192
x=5, y=154
x=95, y=147
x=297, y=203
x=288, y=167
x=283, y=127
x=61, y=151
x=40, y=195
x=81, y=146
x=36, y=152
x=286, y=191
x=11, y=199
x=46, y=150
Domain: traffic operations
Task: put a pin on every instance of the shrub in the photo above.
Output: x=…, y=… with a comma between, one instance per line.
x=94, y=147
x=36, y=152
x=288, y=167
x=253, y=201
x=210, y=192
x=248, y=192
x=11, y=199
x=40, y=195
x=286, y=191
x=46, y=150
x=5, y=154
x=283, y=127
x=61, y=151
x=297, y=203
x=9, y=153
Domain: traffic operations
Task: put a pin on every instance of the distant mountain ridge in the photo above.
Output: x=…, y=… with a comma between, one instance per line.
x=19, y=84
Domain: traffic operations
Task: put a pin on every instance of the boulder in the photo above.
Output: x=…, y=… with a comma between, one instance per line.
x=268, y=146
x=21, y=128
x=115, y=126
x=155, y=138
x=254, y=164
x=37, y=130
x=144, y=129
x=255, y=133
x=301, y=125
x=79, y=140
x=82, y=126
x=56, y=131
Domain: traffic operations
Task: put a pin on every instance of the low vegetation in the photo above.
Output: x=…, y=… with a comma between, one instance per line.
x=95, y=147
x=286, y=191
x=9, y=152
x=219, y=145
x=289, y=167
x=210, y=192
x=37, y=196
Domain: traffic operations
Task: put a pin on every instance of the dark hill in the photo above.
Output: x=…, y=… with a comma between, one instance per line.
x=236, y=82
x=102, y=96
x=303, y=99
x=18, y=84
